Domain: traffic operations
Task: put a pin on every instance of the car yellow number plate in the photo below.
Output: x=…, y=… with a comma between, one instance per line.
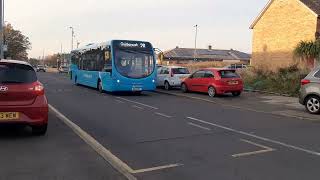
x=9, y=116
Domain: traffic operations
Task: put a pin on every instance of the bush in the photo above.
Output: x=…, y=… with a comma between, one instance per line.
x=284, y=81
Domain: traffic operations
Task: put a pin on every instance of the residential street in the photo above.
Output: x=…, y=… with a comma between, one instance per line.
x=160, y=136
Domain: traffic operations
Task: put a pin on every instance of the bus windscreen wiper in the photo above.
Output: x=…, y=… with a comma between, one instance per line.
x=136, y=51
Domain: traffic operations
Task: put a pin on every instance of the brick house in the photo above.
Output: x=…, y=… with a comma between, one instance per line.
x=188, y=55
x=279, y=28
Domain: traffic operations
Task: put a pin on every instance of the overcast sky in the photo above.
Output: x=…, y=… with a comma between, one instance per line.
x=165, y=23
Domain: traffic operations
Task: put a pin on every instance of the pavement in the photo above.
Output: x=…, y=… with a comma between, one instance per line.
x=157, y=136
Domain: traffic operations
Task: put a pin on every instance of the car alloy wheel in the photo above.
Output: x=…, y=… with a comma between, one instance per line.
x=236, y=94
x=167, y=86
x=313, y=105
x=212, y=91
x=184, y=88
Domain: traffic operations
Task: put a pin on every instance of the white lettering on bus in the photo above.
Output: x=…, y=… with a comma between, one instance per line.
x=126, y=44
x=87, y=76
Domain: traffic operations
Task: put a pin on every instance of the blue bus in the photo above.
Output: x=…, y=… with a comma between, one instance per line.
x=115, y=66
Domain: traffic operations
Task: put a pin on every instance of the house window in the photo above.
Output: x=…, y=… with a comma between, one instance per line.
x=317, y=35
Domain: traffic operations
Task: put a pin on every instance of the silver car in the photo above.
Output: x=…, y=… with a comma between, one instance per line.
x=310, y=92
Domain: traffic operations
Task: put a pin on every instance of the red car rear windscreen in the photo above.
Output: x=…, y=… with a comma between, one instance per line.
x=16, y=73
x=228, y=74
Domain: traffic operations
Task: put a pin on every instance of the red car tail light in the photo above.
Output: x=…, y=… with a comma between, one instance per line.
x=38, y=89
x=304, y=82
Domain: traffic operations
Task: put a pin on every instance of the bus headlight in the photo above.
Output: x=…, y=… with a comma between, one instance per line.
x=118, y=81
x=153, y=81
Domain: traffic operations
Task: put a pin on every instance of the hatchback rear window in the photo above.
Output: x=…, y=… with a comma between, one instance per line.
x=16, y=73
x=228, y=74
x=180, y=71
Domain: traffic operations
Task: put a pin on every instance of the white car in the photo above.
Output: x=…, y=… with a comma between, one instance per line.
x=63, y=69
x=171, y=76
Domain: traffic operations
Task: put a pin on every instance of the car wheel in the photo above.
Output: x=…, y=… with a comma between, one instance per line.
x=167, y=86
x=212, y=91
x=39, y=130
x=100, y=89
x=236, y=94
x=313, y=104
x=184, y=88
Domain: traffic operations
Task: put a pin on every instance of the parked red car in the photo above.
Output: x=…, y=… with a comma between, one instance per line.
x=214, y=82
x=22, y=97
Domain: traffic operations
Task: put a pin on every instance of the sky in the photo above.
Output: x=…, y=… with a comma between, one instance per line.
x=224, y=24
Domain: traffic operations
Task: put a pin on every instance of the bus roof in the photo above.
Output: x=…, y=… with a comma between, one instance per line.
x=93, y=46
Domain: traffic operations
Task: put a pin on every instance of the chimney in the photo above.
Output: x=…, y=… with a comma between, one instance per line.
x=210, y=47
x=177, y=47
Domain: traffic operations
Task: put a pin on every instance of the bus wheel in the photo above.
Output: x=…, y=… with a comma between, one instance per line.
x=76, y=81
x=100, y=89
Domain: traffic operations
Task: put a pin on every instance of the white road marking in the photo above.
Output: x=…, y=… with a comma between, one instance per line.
x=198, y=126
x=163, y=115
x=118, y=101
x=101, y=150
x=156, y=168
x=106, y=154
x=241, y=108
x=258, y=137
x=137, y=107
x=152, y=107
x=266, y=149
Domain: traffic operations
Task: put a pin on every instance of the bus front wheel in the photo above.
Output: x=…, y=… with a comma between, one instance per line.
x=100, y=89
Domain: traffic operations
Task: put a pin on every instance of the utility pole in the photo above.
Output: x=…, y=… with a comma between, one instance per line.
x=195, y=43
x=1, y=29
x=43, y=57
x=72, y=37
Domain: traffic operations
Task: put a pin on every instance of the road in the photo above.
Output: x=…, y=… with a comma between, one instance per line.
x=158, y=136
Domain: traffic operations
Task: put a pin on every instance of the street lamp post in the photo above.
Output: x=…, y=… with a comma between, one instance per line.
x=72, y=36
x=195, y=43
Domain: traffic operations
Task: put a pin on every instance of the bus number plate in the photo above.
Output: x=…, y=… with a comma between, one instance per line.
x=136, y=89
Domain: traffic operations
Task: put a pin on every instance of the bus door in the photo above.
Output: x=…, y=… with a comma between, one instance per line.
x=106, y=74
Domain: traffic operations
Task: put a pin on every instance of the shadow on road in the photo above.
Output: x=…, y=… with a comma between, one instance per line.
x=13, y=131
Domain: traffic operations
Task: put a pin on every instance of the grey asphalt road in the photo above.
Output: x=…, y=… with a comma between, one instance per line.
x=204, y=140
x=59, y=155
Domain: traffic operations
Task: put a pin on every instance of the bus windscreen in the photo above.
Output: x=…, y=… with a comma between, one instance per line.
x=134, y=59
x=134, y=64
